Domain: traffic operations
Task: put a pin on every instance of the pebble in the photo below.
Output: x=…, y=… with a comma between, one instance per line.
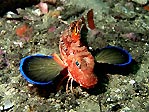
x=132, y=82
x=7, y=105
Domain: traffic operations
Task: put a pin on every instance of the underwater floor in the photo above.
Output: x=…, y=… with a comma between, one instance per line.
x=36, y=28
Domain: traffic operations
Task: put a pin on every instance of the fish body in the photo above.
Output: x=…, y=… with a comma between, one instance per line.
x=76, y=57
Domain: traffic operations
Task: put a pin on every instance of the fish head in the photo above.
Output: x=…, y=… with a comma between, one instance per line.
x=82, y=71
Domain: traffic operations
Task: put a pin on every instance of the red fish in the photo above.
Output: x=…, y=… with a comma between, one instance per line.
x=76, y=57
x=76, y=62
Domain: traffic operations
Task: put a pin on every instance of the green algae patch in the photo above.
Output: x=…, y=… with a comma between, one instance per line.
x=120, y=23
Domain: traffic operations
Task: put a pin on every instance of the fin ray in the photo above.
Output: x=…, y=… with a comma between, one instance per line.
x=39, y=68
x=113, y=55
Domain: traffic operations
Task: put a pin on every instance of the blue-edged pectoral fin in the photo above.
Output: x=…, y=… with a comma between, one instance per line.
x=39, y=69
x=113, y=55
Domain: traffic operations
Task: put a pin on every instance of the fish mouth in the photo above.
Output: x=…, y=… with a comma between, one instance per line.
x=89, y=82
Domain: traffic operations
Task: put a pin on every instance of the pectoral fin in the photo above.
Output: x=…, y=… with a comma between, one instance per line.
x=39, y=69
x=113, y=55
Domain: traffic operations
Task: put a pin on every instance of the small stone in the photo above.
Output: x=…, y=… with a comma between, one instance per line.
x=132, y=82
x=117, y=90
x=7, y=105
x=37, y=12
x=108, y=99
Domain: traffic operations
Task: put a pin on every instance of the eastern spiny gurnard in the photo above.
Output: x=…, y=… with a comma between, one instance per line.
x=75, y=57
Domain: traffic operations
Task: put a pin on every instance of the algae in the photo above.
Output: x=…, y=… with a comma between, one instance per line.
x=114, y=20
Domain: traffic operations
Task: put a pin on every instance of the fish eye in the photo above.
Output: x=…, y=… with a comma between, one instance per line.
x=77, y=63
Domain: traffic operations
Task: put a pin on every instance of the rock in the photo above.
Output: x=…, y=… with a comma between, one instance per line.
x=141, y=2
x=7, y=105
